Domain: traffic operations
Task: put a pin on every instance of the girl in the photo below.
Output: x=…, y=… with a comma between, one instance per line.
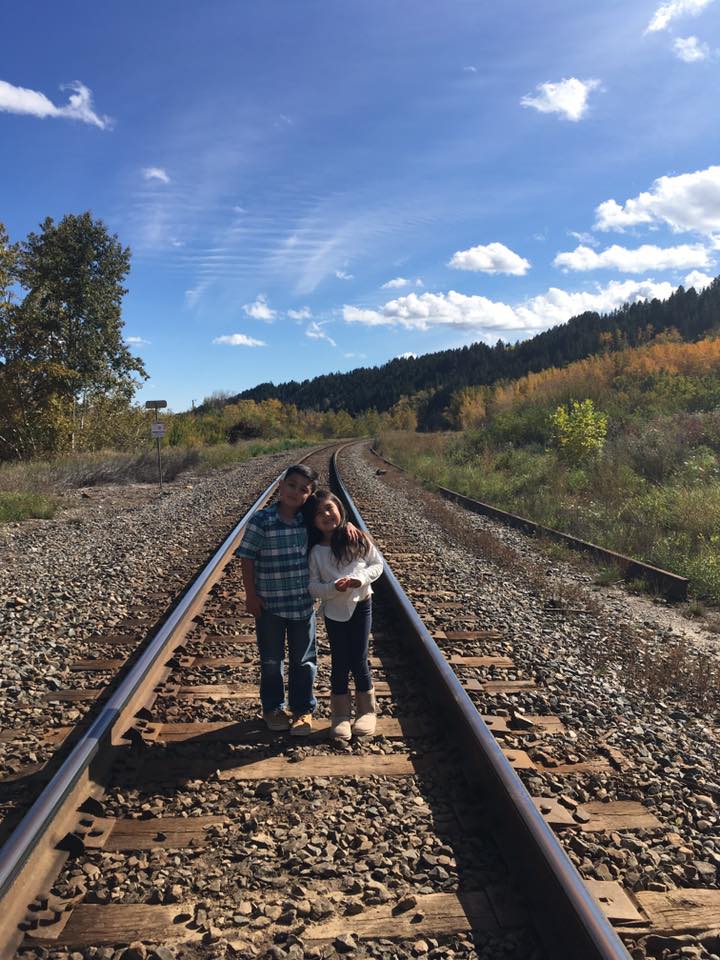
x=341, y=571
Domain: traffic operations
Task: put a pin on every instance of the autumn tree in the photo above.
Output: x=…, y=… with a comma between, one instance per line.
x=579, y=430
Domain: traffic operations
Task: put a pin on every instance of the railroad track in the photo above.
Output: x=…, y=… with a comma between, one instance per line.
x=194, y=826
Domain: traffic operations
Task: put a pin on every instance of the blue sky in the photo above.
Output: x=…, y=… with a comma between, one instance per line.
x=316, y=185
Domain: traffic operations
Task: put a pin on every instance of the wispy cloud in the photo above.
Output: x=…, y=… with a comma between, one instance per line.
x=259, y=310
x=641, y=259
x=568, y=97
x=192, y=296
x=492, y=258
x=33, y=103
x=481, y=315
x=470, y=69
x=137, y=341
x=585, y=238
x=302, y=314
x=239, y=340
x=342, y=275
x=400, y=282
x=156, y=173
x=315, y=332
x=687, y=202
x=690, y=50
x=667, y=12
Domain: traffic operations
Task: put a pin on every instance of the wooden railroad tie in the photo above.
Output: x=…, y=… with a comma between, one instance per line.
x=670, y=913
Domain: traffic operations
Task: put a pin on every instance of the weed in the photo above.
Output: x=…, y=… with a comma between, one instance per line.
x=23, y=506
x=607, y=576
x=695, y=608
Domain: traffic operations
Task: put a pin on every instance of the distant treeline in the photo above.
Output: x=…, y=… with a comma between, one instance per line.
x=431, y=380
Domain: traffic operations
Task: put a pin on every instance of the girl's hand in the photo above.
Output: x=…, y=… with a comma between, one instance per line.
x=347, y=583
x=354, y=535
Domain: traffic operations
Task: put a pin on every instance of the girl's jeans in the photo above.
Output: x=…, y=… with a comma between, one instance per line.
x=302, y=662
x=349, y=641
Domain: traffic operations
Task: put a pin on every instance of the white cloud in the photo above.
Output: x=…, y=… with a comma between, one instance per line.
x=690, y=50
x=315, y=332
x=156, y=173
x=698, y=280
x=477, y=313
x=341, y=275
x=493, y=258
x=568, y=97
x=470, y=69
x=239, y=340
x=409, y=355
x=673, y=9
x=400, y=282
x=302, y=314
x=259, y=310
x=79, y=106
x=689, y=201
x=646, y=257
x=136, y=341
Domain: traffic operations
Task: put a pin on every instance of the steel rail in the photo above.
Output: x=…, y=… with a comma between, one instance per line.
x=15, y=853
x=672, y=585
x=569, y=920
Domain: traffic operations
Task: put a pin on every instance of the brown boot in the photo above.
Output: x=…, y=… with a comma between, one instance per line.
x=364, y=725
x=340, y=713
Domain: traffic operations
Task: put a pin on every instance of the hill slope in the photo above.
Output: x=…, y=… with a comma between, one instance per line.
x=439, y=375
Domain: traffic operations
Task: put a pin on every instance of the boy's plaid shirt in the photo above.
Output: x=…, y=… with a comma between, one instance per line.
x=279, y=550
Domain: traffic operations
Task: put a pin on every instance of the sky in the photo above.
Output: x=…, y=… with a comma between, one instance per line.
x=310, y=186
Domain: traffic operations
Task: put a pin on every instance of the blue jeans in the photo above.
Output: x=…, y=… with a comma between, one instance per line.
x=349, y=642
x=302, y=661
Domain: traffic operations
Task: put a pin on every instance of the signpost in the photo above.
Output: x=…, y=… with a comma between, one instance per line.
x=157, y=430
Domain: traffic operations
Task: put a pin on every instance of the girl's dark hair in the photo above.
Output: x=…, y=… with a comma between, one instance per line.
x=344, y=549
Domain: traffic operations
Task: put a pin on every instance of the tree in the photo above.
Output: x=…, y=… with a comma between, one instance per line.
x=579, y=430
x=62, y=345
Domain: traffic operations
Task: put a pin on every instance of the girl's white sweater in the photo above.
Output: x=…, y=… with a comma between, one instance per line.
x=325, y=570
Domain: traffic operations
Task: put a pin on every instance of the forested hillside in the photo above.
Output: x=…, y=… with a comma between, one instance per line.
x=437, y=376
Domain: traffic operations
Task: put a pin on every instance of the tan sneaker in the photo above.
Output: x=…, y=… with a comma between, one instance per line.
x=277, y=720
x=302, y=724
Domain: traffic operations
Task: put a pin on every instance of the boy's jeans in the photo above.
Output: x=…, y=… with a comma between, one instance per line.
x=302, y=662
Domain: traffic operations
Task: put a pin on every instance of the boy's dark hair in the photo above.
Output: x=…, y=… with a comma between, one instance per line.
x=343, y=548
x=304, y=471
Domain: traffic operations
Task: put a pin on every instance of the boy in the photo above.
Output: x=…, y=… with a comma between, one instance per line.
x=273, y=556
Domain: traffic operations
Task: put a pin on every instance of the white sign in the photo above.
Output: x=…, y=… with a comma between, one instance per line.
x=157, y=429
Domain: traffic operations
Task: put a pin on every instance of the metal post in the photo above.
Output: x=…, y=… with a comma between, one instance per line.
x=157, y=441
x=158, y=433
